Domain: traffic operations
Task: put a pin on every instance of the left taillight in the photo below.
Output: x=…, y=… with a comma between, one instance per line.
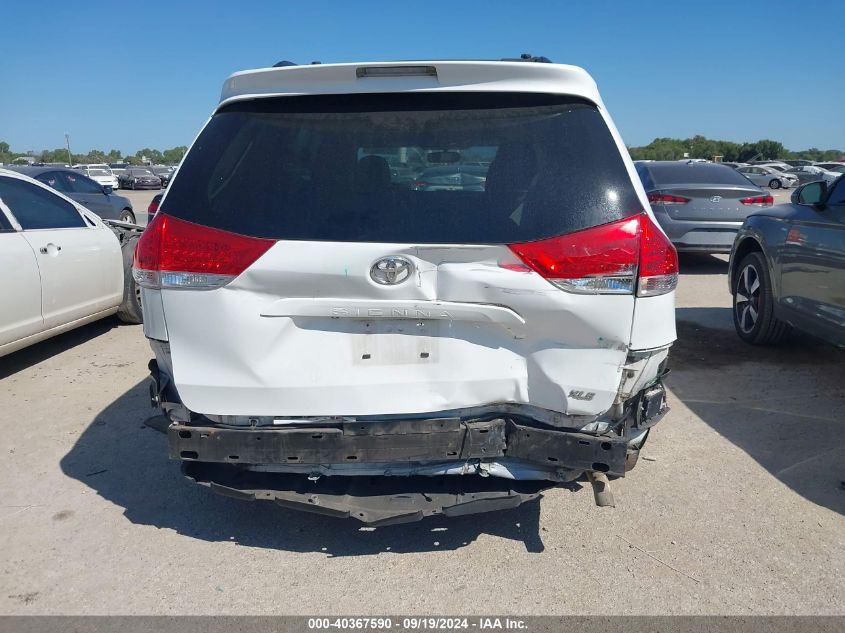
x=173, y=253
x=153, y=208
x=666, y=199
x=758, y=201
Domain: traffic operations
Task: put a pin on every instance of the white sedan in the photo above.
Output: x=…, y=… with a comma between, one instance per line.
x=61, y=266
x=101, y=174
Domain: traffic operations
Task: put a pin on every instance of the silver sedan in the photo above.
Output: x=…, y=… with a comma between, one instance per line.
x=768, y=177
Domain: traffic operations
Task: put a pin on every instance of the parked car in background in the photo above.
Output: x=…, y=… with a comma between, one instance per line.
x=164, y=173
x=153, y=208
x=93, y=196
x=700, y=206
x=810, y=173
x=787, y=268
x=101, y=173
x=776, y=166
x=139, y=178
x=764, y=176
x=60, y=265
x=771, y=163
x=734, y=165
x=341, y=343
x=835, y=166
x=451, y=178
x=797, y=162
x=114, y=166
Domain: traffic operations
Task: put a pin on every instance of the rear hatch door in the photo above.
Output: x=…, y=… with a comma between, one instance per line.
x=373, y=297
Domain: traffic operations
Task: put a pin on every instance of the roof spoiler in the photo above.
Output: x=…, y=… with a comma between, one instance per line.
x=525, y=57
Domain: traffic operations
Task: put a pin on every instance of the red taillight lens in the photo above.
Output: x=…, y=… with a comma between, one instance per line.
x=602, y=259
x=173, y=253
x=758, y=201
x=658, y=261
x=655, y=197
x=153, y=208
x=605, y=259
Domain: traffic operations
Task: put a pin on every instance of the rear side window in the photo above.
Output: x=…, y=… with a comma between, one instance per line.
x=419, y=168
x=695, y=173
x=37, y=208
x=81, y=184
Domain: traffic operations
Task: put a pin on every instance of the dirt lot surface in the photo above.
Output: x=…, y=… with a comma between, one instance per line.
x=736, y=506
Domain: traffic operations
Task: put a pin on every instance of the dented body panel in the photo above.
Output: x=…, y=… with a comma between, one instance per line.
x=462, y=332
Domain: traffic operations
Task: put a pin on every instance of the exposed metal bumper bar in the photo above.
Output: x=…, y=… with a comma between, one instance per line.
x=445, y=439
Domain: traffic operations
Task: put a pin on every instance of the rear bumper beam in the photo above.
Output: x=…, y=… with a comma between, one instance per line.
x=432, y=440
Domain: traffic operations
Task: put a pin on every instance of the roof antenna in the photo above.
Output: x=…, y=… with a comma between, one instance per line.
x=283, y=63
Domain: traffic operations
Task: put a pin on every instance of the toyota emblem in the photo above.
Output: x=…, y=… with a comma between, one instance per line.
x=389, y=271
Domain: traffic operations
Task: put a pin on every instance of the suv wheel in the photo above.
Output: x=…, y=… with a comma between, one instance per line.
x=774, y=183
x=127, y=216
x=753, y=303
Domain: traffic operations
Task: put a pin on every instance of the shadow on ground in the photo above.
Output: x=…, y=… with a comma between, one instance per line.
x=781, y=405
x=126, y=463
x=40, y=352
x=701, y=264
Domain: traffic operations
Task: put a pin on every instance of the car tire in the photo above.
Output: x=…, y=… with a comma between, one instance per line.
x=127, y=216
x=130, y=308
x=753, y=303
x=774, y=183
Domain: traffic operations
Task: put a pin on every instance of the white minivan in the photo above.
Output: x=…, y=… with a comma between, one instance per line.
x=389, y=290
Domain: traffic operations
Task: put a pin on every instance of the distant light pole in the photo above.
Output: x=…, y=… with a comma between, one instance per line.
x=69, y=156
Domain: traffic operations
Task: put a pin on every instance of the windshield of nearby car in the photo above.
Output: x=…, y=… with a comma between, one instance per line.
x=694, y=173
x=98, y=172
x=518, y=167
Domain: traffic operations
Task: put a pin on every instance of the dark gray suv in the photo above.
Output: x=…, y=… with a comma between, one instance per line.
x=787, y=267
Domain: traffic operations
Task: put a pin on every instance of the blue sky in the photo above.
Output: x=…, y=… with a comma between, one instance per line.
x=128, y=75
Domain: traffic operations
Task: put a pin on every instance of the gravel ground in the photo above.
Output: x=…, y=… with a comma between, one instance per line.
x=735, y=507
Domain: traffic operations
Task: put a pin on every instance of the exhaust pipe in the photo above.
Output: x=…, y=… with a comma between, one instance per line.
x=601, y=489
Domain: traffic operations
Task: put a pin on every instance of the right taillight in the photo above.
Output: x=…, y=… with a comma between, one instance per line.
x=173, y=253
x=758, y=201
x=153, y=208
x=655, y=197
x=658, y=260
x=612, y=258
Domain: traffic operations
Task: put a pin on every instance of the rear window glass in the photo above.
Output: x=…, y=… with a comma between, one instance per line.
x=419, y=168
x=696, y=173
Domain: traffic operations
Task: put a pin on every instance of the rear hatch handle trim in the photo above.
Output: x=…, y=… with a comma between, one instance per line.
x=401, y=309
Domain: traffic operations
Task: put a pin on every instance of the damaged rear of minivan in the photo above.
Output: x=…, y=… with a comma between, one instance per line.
x=388, y=291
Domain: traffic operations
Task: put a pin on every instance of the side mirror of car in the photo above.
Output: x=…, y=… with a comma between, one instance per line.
x=813, y=194
x=107, y=189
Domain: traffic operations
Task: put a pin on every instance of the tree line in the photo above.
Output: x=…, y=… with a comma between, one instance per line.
x=169, y=156
x=701, y=147
x=658, y=149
